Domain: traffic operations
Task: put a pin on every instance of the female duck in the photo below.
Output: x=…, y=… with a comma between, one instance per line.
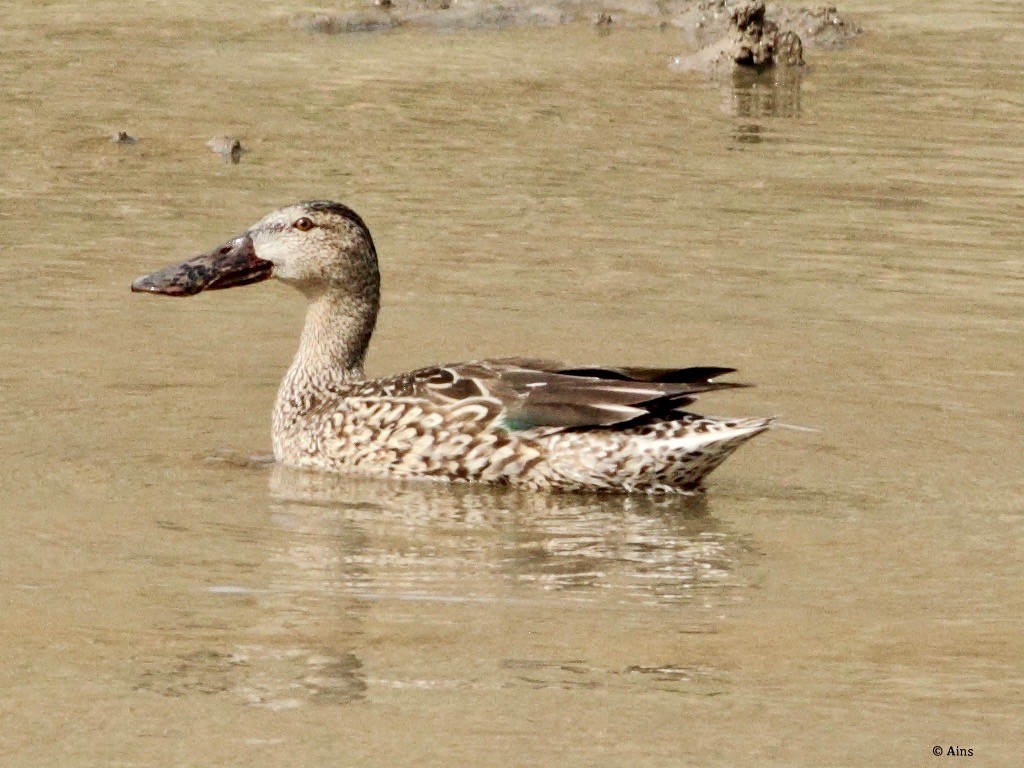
x=534, y=423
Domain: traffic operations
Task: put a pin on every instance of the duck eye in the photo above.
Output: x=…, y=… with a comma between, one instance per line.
x=303, y=224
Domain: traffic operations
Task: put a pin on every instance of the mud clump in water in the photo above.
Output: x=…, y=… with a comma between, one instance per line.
x=751, y=40
x=707, y=21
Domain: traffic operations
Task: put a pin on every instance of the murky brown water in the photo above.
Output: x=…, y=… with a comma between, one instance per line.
x=852, y=242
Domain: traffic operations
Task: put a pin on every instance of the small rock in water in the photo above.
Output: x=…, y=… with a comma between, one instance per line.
x=122, y=137
x=228, y=147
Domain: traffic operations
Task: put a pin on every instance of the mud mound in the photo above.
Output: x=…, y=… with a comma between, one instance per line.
x=750, y=40
x=704, y=21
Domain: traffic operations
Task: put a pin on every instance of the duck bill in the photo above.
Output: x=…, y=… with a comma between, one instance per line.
x=232, y=264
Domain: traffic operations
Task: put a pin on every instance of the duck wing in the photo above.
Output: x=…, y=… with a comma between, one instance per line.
x=551, y=394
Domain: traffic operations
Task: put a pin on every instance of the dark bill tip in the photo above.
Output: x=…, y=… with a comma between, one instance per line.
x=166, y=282
x=232, y=264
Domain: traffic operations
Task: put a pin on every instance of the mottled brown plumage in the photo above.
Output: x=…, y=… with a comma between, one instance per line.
x=520, y=421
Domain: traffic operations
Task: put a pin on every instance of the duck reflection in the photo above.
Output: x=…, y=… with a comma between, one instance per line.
x=475, y=542
x=302, y=648
x=341, y=553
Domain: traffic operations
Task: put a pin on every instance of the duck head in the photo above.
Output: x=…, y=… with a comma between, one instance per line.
x=320, y=247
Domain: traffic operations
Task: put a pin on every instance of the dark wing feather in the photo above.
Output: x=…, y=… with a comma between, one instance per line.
x=546, y=393
x=551, y=394
x=662, y=375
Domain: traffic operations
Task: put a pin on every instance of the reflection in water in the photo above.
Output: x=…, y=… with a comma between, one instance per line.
x=290, y=641
x=298, y=659
x=433, y=537
x=771, y=92
x=340, y=545
x=303, y=638
x=576, y=673
x=755, y=94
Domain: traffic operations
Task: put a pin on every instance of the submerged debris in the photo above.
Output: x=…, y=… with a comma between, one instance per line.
x=228, y=147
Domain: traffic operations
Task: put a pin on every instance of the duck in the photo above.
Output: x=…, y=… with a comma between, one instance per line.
x=538, y=424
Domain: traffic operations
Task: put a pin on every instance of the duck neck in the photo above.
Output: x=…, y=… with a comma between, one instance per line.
x=333, y=344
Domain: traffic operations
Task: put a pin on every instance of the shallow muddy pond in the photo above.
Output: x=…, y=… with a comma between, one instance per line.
x=849, y=238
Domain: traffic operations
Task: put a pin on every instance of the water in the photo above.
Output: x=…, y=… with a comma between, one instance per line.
x=851, y=240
